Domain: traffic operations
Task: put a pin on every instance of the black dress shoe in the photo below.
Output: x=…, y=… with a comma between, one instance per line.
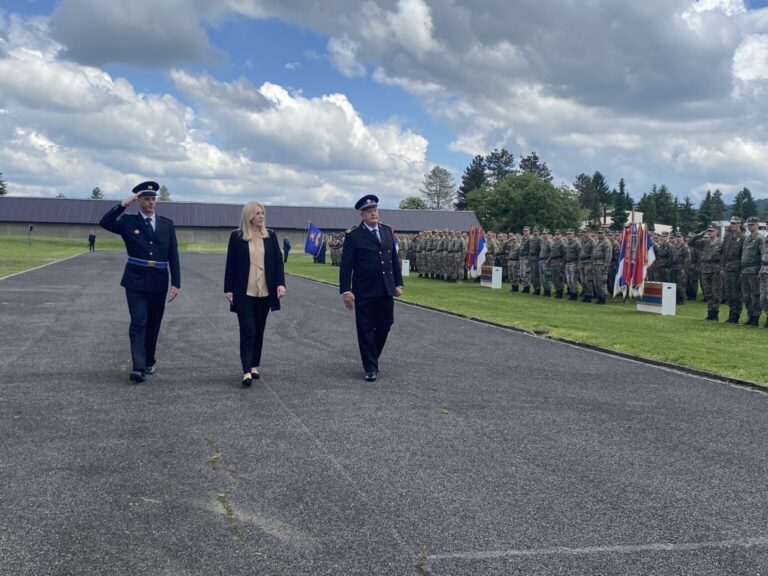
x=370, y=376
x=255, y=374
x=136, y=376
x=149, y=370
x=247, y=382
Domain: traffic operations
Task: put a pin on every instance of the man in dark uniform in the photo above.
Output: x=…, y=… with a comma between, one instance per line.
x=150, y=241
x=91, y=242
x=286, y=248
x=369, y=278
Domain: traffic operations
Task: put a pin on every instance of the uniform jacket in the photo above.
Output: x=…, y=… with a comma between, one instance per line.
x=369, y=269
x=239, y=265
x=147, y=244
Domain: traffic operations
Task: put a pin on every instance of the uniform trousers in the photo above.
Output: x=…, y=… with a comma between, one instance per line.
x=763, y=279
x=252, y=319
x=146, y=310
x=750, y=293
x=525, y=273
x=572, y=277
x=732, y=291
x=711, y=284
x=373, y=319
x=533, y=265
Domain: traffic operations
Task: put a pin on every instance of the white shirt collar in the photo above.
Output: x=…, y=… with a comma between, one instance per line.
x=145, y=216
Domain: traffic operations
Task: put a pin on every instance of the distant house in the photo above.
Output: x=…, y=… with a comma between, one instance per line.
x=206, y=223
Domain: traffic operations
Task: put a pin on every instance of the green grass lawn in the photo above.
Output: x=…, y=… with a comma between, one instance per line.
x=685, y=339
x=16, y=254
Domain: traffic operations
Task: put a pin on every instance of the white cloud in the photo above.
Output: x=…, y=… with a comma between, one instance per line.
x=656, y=91
x=343, y=55
x=233, y=141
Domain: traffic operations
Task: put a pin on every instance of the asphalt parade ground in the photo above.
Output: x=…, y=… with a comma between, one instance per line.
x=479, y=451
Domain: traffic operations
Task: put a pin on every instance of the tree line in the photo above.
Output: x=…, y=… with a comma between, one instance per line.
x=506, y=197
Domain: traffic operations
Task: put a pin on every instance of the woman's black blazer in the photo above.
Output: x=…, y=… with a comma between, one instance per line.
x=239, y=264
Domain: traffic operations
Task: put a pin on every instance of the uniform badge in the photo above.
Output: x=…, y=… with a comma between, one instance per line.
x=136, y=232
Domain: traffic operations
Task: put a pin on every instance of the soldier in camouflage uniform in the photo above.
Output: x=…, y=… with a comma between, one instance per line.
x=442, y=255
x=731, y=267
x=557, y=263
x=661, y=250
x=513, y=263
x=491, y=247
x=711, y=248
x=751, y=254
x=461, y=255
x=572, y=254
x=501, y=255
x=586, y=274
x=525, y=251
x=533, y=261
x=679, y=262
x=430, y=254
x=763, y=277
x=692, y=284
x=601, y=262
x=615, y=249
x=545, y=272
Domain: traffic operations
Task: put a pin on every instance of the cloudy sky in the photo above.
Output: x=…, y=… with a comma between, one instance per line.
x=316, y=103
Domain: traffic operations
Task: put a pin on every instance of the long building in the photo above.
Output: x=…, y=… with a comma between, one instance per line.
x=209, y=223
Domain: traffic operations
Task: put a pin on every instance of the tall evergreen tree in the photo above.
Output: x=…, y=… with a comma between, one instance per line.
x=688, y=217
x=647, y=206
x=473, y=177
x=665, y=206
x=499, y=164
x=601, y=188
x=3, y=190
x=587, y=196
x=532, y=164
x=620, y=207
x=718, y=206
x=438, y=188
x=706, y=212
x=97, y=194
x=164, y=194
x=744, y=205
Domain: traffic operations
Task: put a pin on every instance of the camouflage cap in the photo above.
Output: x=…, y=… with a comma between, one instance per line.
x=735, y=220
x=545, y=231
x=711, y=227
x=753, y=220
x=569, y=231
x=600, y=231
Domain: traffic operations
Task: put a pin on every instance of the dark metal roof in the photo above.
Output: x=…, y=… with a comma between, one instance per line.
x=200, y=215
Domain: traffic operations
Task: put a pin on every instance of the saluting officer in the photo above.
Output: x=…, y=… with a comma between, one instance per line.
x=369, y=278
x=150, y=241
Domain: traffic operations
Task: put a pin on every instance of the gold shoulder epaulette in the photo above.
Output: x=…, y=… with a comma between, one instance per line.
x=348, y=230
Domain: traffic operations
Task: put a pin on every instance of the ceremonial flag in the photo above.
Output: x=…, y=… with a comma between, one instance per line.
x=475, y=251
x=635, y=256
x=314, y=240
x=620, y=285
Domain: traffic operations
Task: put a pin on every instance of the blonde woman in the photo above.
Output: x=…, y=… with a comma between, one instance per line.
x=254, y=283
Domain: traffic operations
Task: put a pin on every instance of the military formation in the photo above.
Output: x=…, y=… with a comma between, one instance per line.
x=582, y=265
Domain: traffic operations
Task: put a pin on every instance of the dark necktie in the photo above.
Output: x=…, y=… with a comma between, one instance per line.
x=376, y=233
x=149, y=222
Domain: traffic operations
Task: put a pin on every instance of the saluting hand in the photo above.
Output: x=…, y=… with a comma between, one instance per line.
x=130, y=200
